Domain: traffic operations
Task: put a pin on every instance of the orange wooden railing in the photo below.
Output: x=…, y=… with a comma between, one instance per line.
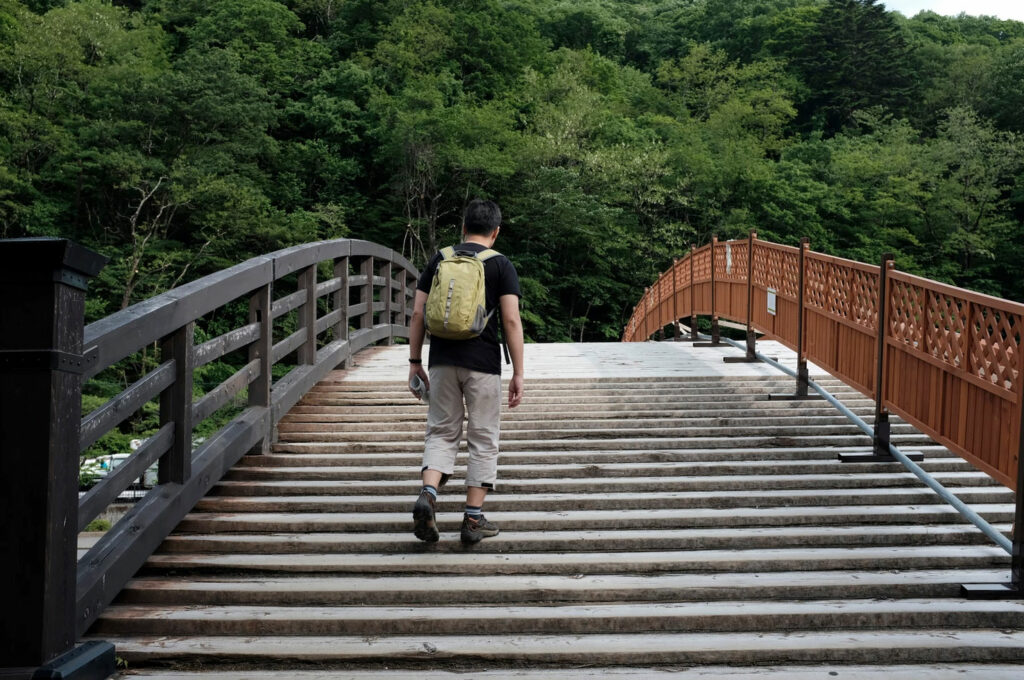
x=948, y=360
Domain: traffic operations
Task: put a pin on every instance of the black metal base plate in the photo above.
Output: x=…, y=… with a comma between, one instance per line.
x=740, y=360
x=991, y=591
x=875, y=458
x=794, y=397
x=93, y=660
x=709, y=344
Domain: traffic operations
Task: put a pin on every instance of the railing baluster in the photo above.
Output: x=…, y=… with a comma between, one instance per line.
x=366, y=293
x=307, y=316
x=176, y=406
x=716, y=332
x=693, y=300
x=389, y=303
x=259, y=313
x=341, y=301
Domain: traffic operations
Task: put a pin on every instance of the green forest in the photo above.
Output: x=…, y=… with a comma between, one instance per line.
x=179, y=137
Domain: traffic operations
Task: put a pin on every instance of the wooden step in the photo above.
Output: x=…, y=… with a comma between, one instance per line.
x=672, y=524
x=738, y=616
x=898, y=646
x=373, y=590
x=779, y=516
x=425, y=559
x=945, y=671
x=565, y=502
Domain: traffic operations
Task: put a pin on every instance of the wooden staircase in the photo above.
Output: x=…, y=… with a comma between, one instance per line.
x=646, y=523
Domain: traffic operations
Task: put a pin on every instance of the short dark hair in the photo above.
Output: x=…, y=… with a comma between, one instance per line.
x=481, y=217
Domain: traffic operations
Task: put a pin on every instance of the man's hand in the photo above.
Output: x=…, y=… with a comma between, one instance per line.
x=417, y=369
x=515, y=391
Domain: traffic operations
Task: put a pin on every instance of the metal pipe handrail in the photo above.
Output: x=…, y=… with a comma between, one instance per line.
x=965, y=510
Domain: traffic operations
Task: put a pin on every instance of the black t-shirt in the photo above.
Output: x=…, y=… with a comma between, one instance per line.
x=482, y=353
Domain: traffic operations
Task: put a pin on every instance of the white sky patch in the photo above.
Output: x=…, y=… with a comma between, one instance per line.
x=1004, y=9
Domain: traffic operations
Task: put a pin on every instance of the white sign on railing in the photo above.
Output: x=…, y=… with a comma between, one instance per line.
x=771, y=301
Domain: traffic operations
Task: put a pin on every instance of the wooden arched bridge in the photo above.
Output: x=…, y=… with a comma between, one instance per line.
x=667, y=508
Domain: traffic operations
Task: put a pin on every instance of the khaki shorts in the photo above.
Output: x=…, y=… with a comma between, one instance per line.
x=455, y=393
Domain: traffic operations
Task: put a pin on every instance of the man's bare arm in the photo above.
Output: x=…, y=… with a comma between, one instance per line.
x=512, y=325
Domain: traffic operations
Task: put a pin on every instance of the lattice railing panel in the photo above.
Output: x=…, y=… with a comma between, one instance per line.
x=944, y=331
x=683, y=273
x=788, y=278
x=995, y=345
x=838, y=286
x=864, y=298
x=702, y=265
x=731, y=262
x=761, y=270
x=816, y=283
x=906, y=313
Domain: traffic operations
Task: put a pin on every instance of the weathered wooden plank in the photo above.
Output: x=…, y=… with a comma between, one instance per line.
x=290, y=260
x=288, y=303
x=327, y=287
x=223, y=393
x=110, y=487
x=288, y=345
x=176, y=406
x=262, y=349
x=362, y=248
x=113, y=413
x=307, y=315
x=328, y=320
x=214, y=349
x=123, y=333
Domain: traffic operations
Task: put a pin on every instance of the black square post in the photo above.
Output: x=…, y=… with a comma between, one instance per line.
x=42, y=300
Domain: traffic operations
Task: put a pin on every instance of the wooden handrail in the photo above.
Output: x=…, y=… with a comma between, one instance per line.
x=318, y=315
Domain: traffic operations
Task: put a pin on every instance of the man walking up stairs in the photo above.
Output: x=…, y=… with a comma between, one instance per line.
x=465, y=365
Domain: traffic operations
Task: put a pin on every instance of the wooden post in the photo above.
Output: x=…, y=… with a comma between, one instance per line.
x=1017, y=556
x=675, y=302
x=716, y=333
x=647, y=313
x=42, y=291
x=751, y=355
x=751, y=348
x=366, y=293
x=389, y=302
x=175, y=466
x=880, y=444
x=802, y=380
x=307, y=316
x=260, y=306
x=341, y=301
x=693, y=300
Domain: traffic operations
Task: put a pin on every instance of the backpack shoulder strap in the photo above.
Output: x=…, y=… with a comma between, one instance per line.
x=447, y=253
x=485, y=255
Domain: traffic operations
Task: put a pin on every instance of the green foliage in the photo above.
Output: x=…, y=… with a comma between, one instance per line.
x=180, y=137
x=98, y=525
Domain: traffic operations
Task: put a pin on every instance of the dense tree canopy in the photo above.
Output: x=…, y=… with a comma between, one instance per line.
x=180, y=136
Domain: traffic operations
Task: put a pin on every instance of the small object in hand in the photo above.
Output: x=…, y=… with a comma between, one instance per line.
x=417, y=385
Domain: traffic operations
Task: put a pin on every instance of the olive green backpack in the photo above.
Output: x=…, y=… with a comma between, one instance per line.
x=456, y=305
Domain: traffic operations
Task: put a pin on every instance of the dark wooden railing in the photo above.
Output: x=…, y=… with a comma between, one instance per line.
x=945, y=359
x=298, y=328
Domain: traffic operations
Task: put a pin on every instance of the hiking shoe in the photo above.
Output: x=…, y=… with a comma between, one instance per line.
x=475, y=529
x=424, y=526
